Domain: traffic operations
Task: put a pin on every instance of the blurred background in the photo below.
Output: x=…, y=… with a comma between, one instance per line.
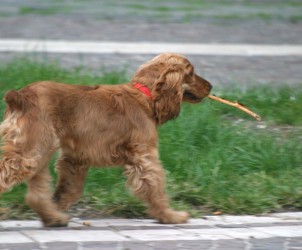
x=179, y=21
x=218, y=160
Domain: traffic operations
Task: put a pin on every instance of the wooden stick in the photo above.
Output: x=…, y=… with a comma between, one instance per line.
x=236, y=105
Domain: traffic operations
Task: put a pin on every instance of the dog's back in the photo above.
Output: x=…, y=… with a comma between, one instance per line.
x=99, y=123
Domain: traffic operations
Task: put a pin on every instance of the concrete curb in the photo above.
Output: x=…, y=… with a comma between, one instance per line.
x=101, y=47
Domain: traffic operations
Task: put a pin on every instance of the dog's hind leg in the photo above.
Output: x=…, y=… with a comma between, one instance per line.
x=17, y=162
x=14, y=169
x=28, y=142
x=25, y=159
x=39, y=198
x=16, y=165
x=147, y=180
x=72, y=175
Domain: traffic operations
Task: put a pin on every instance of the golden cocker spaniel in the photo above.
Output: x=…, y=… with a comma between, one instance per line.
x=104, y=125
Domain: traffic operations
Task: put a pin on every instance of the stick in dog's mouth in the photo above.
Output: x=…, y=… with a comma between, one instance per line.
x=236, y=105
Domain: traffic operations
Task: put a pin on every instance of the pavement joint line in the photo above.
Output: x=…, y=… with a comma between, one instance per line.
x=112, y=47
x=28, y=236
x=214, y=245
x=247, y=244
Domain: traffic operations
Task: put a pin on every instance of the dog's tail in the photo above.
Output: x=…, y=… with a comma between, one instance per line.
x=20, y=100
x=14, y=99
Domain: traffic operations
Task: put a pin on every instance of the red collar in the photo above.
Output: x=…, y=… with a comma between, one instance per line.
x=144, y=89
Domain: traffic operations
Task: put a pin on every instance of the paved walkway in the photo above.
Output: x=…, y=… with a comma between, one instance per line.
x=271, y=232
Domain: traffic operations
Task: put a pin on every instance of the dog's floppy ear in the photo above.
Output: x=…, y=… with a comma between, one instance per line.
x=167, y=93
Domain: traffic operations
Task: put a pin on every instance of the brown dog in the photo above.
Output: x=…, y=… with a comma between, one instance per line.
x=104, y=125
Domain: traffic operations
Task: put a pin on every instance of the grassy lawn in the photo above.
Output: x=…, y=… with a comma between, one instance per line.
x=216, y=157
x=165, y=11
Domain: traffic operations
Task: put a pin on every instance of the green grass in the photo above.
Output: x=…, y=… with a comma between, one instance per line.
x=193, y=10
x=48, y=10
x=179, y=11
x=216, y=157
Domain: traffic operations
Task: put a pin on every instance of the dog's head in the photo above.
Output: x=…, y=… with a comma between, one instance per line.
x=171, y=79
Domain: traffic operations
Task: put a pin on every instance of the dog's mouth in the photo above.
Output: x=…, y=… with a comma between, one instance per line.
x=188, y=96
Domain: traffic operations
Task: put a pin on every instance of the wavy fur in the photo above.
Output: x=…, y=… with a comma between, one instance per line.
x=101, y=125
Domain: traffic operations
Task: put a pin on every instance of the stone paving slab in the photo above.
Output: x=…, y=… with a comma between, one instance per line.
x=73, y=236
x=22, y=246
x=286, y=231
x=173, y=234
x=229, y=233
x=270, y=218
x=12, y=237
x=61, y=246
x=268, y=232
x=288, y=216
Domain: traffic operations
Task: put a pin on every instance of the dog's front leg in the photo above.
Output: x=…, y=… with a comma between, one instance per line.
x=147, y=180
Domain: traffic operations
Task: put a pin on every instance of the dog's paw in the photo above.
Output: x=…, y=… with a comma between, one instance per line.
x=174, y=217
x=60, y=221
